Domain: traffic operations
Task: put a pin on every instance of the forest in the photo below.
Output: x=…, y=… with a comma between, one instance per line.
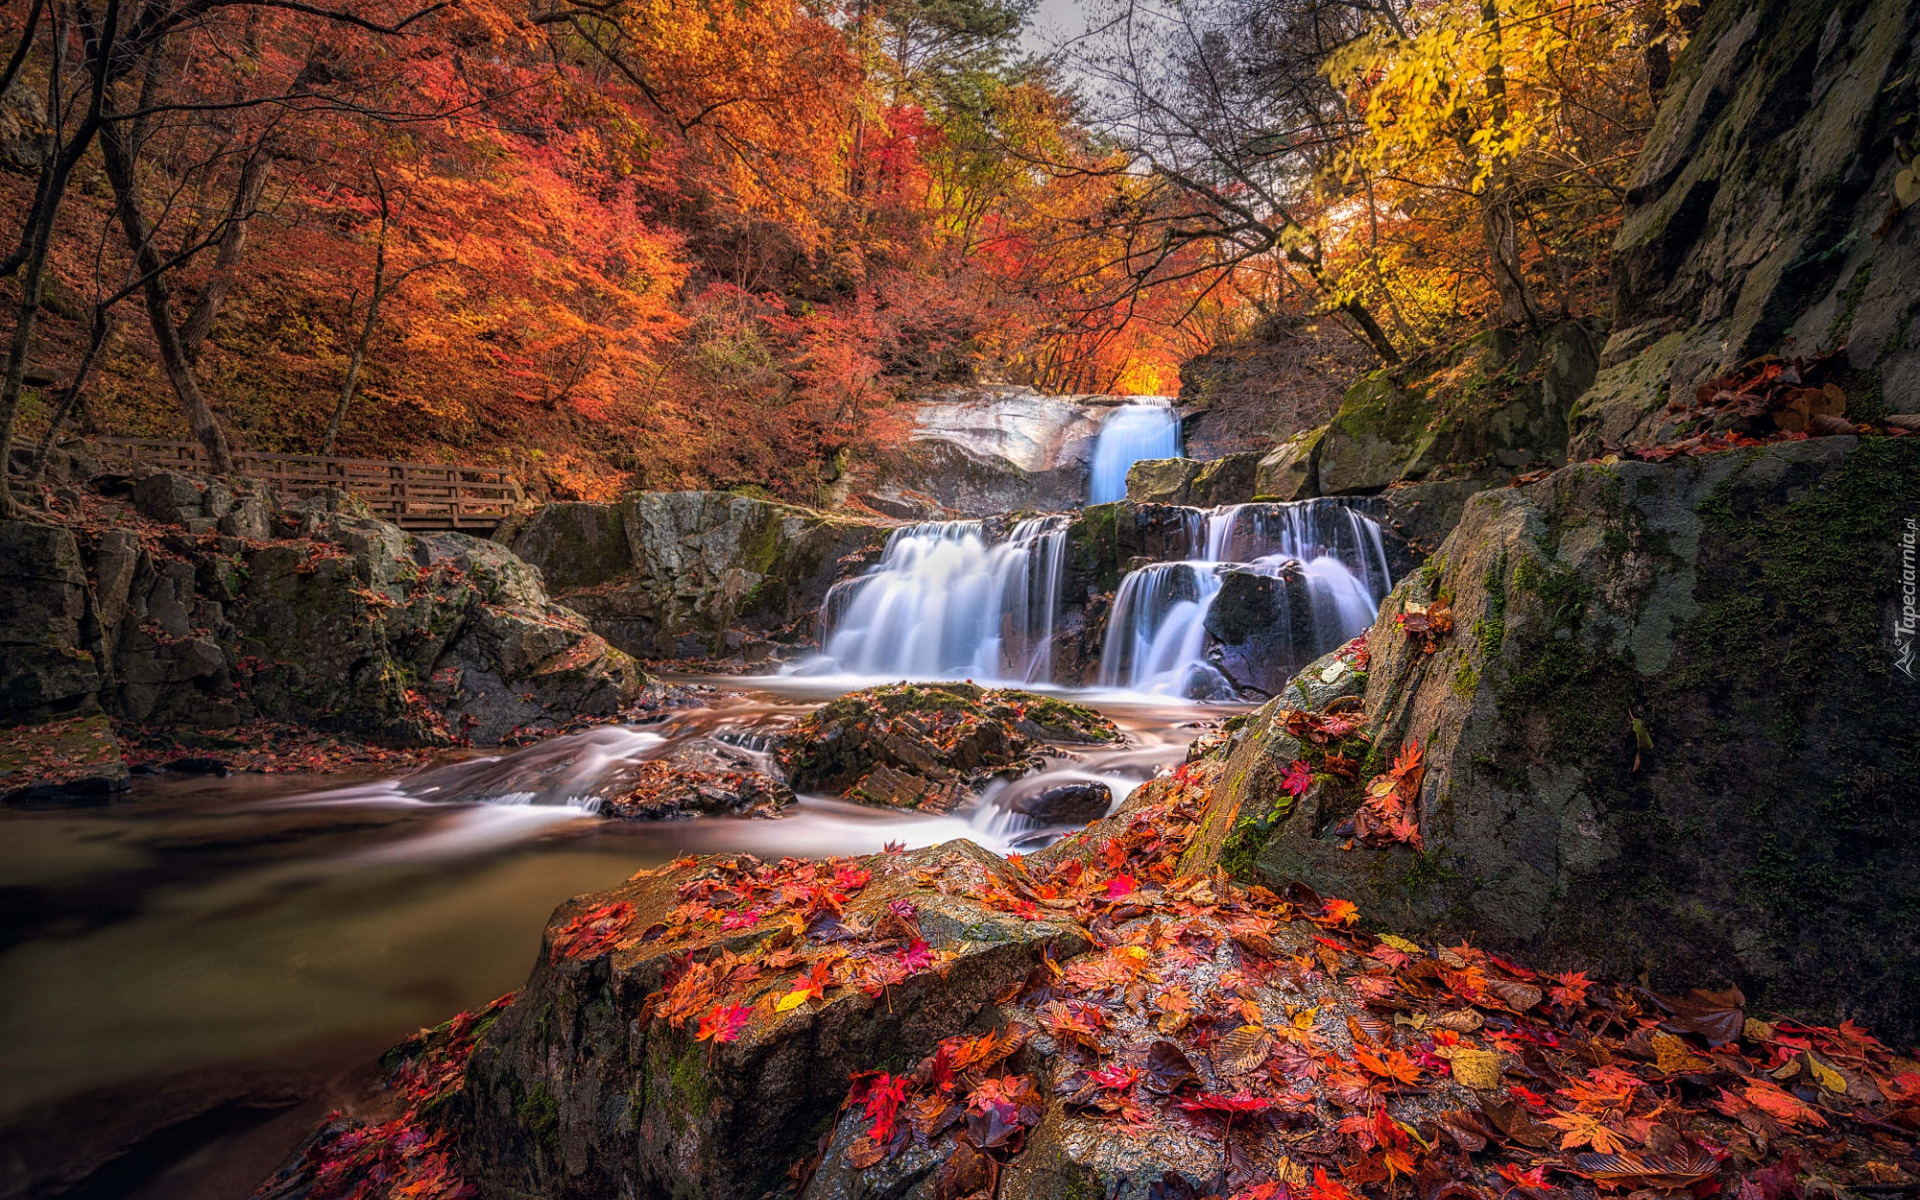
x=959, y=600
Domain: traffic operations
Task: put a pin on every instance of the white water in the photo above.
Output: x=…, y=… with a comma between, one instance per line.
x=945, y=602
x=1157, y=640
x=1130, y=434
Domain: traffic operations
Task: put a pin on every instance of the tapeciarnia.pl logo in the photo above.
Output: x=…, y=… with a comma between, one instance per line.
x=1906, y=624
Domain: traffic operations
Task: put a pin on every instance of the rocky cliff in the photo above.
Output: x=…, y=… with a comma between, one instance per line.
x=694, y=574
x=1761, y=218
x=208, y=607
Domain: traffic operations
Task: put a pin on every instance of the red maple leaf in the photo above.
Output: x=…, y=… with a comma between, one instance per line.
x=1297, y=779
x=917, y=957
x=724, y=1023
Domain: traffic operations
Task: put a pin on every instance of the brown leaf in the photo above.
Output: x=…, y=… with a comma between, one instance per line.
x=1242, y=1050
x=966, y=1172
x=1518, y=996
x=1167, y=1068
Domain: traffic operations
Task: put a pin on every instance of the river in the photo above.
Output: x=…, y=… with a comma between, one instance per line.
x=202, y=969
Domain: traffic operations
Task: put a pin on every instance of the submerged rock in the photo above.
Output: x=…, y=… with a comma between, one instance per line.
x=597, y=1082
x=701, y=776
x=927, y=745
x=1065, y=804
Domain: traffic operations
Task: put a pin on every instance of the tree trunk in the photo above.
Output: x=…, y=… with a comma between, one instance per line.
x=233, y=240
x=70, y=395
x=360, y=343
x=1499, y=227
x=174, y=359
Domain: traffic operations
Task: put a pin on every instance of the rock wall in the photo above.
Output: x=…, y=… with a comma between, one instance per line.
x=223, y=608
x=1668, y=735
x=1760, y=218
x=689, y=574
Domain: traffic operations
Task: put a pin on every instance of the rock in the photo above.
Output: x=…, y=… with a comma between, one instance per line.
x=701, y=776
x=50, y=659
x=1759, y=219
x=62, y=762
x=575, y=545
x=1423, y=514
x=926, y=745
x=934, y=477
x=1497, y=404
x=1291, y=470
x=1161, y=480
x=701, y=564
x=1066, y=803
x=586, y=1087
x=1226, y=480
x=1664, y=736
x=170, y=497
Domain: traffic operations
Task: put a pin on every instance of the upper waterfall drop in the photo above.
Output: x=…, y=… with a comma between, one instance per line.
x=1132, y=433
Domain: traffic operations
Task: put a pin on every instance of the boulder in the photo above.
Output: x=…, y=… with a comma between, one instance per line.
x=930, y=477
x=61, y=762
x=1064, y=803
x=697, y=777
x=1760, y=219
x=594, y=1083
x=928, y=745
x=1162, y=480
x=1497, y=404
x=1669, y=732
x=1291, y=470
x=1228, y=479
x=695, y=566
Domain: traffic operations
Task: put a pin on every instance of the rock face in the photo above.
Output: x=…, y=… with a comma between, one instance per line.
x=350, y=624
x=683, y=574
x=925, y=745
x=593, y=1083
x=1669, y=732
x=1759, y=218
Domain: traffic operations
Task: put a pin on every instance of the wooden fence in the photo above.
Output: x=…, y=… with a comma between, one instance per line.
x=410, y=494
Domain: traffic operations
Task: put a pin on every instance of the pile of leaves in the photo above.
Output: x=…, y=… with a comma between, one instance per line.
x=1260, y=1045
x=927, y=745
x=408, y=1155
x=264, y=747
x=54, y=753
x=1769, y=399
x=661, y=788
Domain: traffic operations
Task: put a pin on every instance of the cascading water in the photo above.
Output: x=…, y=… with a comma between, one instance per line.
x=1129, y=434
x=1329, y=566
x=946, y=602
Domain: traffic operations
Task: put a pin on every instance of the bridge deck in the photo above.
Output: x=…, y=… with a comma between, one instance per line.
x=410, y=494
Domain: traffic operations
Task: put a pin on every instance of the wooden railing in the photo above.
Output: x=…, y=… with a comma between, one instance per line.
x=410, y=494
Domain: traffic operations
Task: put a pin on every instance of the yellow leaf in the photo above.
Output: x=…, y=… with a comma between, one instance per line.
x=1827, y=1077
x=1401, y=944
x=792, y=1000
x=1477, y=1069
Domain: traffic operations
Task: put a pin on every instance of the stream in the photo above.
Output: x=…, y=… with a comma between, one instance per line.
x=248, y=945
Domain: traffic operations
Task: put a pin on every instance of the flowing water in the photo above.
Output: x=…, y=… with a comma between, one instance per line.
x=210, y=938
x=1131, y=433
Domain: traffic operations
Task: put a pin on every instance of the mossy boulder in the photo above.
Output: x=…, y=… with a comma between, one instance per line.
x=1291, y=470
x=580, y=1090
x=1162, y=480
x=927, y=745
x=1668, y=734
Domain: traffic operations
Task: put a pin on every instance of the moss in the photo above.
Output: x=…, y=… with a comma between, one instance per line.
x=539, y=1112
x=1466, y=681
x=1491, y=630
x=690, y=1093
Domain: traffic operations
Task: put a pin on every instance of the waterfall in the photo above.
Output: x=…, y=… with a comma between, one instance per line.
x=1128, y=435
x=1329, y=564
x=946, y=601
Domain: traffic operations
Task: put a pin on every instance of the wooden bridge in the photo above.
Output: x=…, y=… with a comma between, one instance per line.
x=412, y=495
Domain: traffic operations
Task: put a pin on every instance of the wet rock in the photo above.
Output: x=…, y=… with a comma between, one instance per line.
x=1065, y=804
x=62, y=762
x=587, y=1087
x=1663, y=735
x=1229, y=479
x=575, y=545
x=699, y=776
x=907, y=745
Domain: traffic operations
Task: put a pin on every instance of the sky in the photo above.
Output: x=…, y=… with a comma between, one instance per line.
x=1052, y=21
